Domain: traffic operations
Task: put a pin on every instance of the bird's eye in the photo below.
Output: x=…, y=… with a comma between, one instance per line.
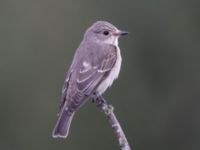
x=106, y=33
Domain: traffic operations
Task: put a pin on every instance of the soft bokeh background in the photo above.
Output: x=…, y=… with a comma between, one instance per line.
x=156, y=98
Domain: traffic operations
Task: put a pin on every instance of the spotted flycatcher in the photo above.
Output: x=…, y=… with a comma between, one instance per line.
x=95, y=66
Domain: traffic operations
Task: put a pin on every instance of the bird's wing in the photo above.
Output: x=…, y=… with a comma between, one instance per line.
x=64, y=89
x=87, y=76
x=95, y=69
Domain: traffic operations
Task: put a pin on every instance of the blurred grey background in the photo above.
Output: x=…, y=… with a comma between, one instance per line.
x=156, y=97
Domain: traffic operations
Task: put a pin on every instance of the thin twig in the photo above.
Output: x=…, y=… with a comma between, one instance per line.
x=109, y=112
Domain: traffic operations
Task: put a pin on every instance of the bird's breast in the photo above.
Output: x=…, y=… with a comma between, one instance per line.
x=112, y=75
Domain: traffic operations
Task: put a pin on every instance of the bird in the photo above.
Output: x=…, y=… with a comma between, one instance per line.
x=96, y=64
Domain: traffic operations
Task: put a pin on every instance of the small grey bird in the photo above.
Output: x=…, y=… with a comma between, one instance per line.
x=95, y=66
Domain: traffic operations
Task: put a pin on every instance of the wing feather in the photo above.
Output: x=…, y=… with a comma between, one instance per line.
x=87, y=81
x=86, y=76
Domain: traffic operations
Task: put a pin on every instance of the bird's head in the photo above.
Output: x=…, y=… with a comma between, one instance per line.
x=103, y=31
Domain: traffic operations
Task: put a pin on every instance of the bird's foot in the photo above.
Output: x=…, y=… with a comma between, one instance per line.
x=99, y=100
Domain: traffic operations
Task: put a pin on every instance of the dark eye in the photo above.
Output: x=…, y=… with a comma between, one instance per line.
x=106, y=32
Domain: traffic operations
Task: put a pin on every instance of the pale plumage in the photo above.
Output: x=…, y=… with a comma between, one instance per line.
x=96, y=64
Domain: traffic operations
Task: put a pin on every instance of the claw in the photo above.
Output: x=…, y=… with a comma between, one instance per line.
x=99, y=100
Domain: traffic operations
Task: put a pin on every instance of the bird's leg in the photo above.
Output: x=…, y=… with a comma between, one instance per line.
x=98, y=99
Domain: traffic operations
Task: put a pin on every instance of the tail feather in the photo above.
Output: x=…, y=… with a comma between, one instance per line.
x=62, y=126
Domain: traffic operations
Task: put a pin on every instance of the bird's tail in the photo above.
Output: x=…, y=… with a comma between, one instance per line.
x=62, y=126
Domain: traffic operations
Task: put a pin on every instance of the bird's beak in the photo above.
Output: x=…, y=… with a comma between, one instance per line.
x=121, y=33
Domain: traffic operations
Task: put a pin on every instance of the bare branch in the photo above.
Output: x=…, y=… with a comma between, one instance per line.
x=119, y=133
